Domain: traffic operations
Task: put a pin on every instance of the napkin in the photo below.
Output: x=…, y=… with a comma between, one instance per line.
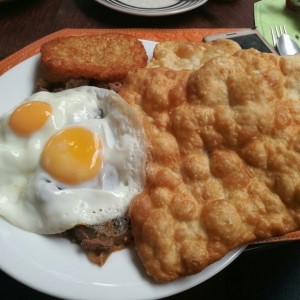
x=157, y=35
x=269, y=13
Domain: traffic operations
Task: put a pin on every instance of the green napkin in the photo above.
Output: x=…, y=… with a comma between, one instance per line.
x=268, y=13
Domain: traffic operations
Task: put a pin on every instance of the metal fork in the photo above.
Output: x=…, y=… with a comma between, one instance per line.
x=276, y=32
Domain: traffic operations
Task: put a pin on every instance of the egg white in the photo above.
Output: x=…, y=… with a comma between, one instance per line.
x=31, y=199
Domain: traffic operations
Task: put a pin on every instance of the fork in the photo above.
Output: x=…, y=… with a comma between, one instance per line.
x=276, y=32
x=283, y=43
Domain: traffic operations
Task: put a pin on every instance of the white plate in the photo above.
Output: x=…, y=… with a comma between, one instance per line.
x=152, y=7
x=55, y=266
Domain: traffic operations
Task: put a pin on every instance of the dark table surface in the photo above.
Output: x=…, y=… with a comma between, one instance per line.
x=22, y=22
x=269, y=272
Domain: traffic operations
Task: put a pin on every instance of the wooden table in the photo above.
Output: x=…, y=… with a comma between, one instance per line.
x=22, y=22
x=268, y=273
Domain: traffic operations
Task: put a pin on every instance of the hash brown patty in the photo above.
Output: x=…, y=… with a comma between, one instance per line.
x=104, y=57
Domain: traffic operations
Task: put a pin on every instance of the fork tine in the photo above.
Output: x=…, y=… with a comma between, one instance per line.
x=273, y=36
x=284, y=30
x=277, y=29
x=276, y=32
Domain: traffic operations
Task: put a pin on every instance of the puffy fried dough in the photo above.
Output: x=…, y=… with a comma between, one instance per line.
x=105, y=57
x=178, y=55
x=224, y=168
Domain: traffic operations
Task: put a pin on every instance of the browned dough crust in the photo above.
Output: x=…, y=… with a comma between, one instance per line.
x=225, y=159
x=179, y=55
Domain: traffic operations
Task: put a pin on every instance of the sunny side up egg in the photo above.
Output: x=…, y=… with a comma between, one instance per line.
x=69, y=158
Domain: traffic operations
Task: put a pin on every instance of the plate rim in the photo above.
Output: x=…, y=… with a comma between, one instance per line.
x=175, y=287
x=151, y=12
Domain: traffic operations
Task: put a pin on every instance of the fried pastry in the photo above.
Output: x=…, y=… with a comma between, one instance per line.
x=104, y=57
x=225, y=159
x=178, y=55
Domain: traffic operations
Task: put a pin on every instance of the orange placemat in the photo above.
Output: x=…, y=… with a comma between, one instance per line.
x=157, y=35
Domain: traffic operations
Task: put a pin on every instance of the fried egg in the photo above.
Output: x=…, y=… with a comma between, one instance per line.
x=69, y=158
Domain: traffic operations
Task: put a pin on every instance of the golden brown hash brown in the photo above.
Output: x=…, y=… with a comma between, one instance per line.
x=225, y=159
x=105, y=57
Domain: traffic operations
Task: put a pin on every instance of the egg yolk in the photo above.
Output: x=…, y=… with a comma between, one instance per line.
x=29, y=117
x=73, y=155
